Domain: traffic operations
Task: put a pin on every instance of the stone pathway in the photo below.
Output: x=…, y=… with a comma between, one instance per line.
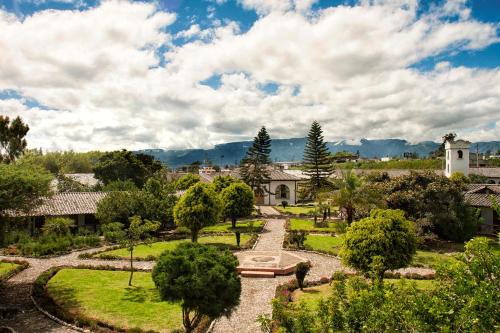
x=268, y=211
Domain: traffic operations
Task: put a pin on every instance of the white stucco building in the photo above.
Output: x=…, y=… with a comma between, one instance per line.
x=281, y=187
x=457, y=157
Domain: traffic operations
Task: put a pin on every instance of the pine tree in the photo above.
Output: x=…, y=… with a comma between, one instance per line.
x=317, y=160
x=254, y=167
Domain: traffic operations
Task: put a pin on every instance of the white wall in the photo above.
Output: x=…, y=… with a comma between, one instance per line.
x=453, y=162
x=291, y=186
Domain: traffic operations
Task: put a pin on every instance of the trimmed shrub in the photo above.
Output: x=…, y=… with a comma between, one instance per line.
x=301, y=271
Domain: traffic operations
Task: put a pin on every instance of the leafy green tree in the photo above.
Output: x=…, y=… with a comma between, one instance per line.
x=354, y=195
x=464, y=298
x=120, y=207
x=202, y=278
x=186, y=181
x=21, y=189
x=12, y=141
x=221, y=182
x=199, y=207
x=255, y=166
x=138, y=231
x=317, y=161
x=123, y=165
x=154, y=202
x=120, y=185
x=237, y=201
x=60, y=163
x=159, y=198
x=384, y=241
x=435, y=203
x=441, y=149
x=467, y=296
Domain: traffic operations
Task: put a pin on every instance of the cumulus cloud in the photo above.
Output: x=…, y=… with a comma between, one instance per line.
x=104, y=84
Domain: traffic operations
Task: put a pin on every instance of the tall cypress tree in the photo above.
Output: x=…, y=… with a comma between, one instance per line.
x=317, y=160
x=254, y=167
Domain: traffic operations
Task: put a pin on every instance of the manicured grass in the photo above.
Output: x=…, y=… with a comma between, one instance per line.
x=105, y=296
x=432, y=259
x=155, y=249
x=296, y=210
x=325, y=243
x=6, y=268
x=243, y=226
x=311, y=296
x=308, y=225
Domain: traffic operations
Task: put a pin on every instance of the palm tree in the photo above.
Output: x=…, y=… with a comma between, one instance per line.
x=353, y=195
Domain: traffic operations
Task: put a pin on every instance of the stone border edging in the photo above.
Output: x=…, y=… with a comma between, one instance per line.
x=54, y=318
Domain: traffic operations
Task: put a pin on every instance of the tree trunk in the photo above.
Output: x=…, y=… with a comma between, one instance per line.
x=233, y=222
x=131, y=267
x=186, y=321
x=194, y=236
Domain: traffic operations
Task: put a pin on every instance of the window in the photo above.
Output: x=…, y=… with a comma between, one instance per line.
x=447, y=155
x=460, y=154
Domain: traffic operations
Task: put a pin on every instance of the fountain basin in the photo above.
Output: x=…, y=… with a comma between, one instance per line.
x=276, y=262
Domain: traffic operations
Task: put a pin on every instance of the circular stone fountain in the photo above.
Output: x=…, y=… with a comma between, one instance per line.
x=267, y=263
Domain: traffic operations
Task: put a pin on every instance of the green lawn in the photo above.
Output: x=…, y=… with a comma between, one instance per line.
x=105, y=296
x=311, y=296
x=325, y=243
x=155, y=249
x=431, y=259
x=296, y=210
x=243, y=226
x=6, y=268
x=308, y=225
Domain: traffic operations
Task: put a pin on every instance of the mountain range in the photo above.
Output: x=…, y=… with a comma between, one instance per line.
x=293, y=149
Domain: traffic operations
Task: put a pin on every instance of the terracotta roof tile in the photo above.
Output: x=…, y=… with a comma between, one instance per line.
x=70, y=203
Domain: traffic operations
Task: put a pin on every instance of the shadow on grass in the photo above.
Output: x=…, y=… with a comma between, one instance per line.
x=136, y=294
x=64, y=296
x=310, y=291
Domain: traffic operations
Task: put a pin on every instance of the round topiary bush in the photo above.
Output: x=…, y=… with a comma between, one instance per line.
x=384, y=241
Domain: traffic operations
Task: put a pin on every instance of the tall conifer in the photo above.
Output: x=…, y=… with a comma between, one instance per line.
x=317, y=161
x=254, y=167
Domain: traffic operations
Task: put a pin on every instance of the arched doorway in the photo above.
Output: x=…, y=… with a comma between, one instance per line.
x=282, y=193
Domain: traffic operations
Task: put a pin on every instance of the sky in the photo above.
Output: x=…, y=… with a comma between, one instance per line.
x=173, y=74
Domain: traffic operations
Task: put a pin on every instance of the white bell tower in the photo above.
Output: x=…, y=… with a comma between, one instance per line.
x=457, y=157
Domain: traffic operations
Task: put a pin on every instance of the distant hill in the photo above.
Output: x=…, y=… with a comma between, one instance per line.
x=293, y=149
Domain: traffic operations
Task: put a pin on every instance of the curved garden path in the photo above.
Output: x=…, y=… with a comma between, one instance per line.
x=256, y=295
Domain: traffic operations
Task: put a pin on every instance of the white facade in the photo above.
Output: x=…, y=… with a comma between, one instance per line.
x=457, y=157
x=278, y=191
